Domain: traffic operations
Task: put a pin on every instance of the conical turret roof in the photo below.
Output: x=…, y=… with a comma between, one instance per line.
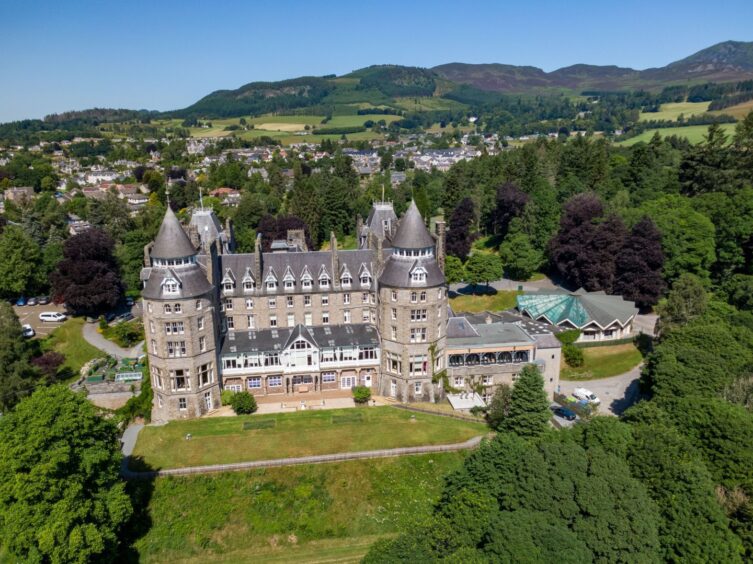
x=411, y=231
x=172, y=241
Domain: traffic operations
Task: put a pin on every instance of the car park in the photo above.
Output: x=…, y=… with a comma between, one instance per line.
x=31, y=302
x=564, y=413
x=27, y=331
x=43, y=300
x=52, y=316
x=586, y=395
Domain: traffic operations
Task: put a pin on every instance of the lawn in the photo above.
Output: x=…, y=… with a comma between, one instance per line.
x=222, y=440
x=671, y=111
x=603, y=362
x=318, y=513
x=694, y=133
x=69, y=340
x=486, y=302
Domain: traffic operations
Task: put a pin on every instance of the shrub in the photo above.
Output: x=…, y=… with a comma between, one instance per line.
x=226, y=396
x=573, y=356
x=361, y=394
x=568, y=337
x=243, y=403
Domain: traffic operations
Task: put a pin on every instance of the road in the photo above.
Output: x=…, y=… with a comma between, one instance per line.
x=616, y=393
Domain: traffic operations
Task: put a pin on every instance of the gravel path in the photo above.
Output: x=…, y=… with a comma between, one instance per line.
x=94, y=338
x=318, y=459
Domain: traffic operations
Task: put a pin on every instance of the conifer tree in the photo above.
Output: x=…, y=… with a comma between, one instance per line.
x=528, y=413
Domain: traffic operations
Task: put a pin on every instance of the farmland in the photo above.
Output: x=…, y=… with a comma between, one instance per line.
x=670, y=112
x=694, y=133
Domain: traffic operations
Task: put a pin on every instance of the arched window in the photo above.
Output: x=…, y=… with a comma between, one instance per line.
x=504, y=358
x=488, y=358
x=472, y=359
x=521, y=356
x=457, y=360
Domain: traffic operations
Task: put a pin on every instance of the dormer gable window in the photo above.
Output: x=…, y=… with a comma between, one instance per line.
x=306, y=279
x=365, y=276
x=418, y=275
x=289, y=280
x=170, y=286
x=346, y=279
x=271, y=281
x=324, y=279
x=249, y=284
x=228, y=282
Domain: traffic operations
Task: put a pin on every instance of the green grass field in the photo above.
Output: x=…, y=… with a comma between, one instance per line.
x=318, y=513
x=220, y=440
x=694, y=133
x=428, y=104
x=739, y=111
x=670, y=112
x=492, y=302
x=603, y=362
x=68, y=340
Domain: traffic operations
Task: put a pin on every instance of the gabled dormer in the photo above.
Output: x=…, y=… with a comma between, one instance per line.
x=171, y=285
x=228, y=282
x=270, y=282
x=307, y=280
x=325, y=280
x=288, y=280
x=417, y=275
x=346, y=279
x=248, y=281
x=364, y=275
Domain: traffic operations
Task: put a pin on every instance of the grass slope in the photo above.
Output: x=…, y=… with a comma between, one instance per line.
x=739, y=111
x=318, y=513
x=222, y=440
x=69, y=340
x=603, y=362
x=694, y=133
x=671, y=111
x=489, y=302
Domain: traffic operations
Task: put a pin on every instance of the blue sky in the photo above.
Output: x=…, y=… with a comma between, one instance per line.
x=64, y=55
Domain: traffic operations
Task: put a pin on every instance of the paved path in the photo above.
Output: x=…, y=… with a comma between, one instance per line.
x=616, y=393
x=318, y=459
x=93, y=337
x=128, y=443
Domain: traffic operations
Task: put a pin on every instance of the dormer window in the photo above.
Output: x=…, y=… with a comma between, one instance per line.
x=289, y=280
x=170, y=286
x=249, y=286
x=346, y=280
x=289, y=285
x=271, y=285
x=306, y=284
x=227, y=287
x=324, y=281
x=418, y=275
x=306, y=279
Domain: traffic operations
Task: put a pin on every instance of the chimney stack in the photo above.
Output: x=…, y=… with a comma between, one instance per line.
x=440, y=243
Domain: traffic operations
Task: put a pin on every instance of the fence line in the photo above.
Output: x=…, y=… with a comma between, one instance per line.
x=441, y=414
x=317, y=459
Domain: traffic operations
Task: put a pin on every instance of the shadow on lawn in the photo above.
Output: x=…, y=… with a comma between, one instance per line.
x=140, y=491
x=473, y=290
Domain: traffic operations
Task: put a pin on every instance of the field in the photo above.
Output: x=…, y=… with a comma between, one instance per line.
x=603, y=362
x=670, y=112
x=694, y=133
x=260, y=437
x=319, y=513
x=485, y=302
x=68, y=340
x=428, y=104
x=740, y=111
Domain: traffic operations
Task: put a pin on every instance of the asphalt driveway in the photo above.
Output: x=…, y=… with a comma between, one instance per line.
x=616, y=393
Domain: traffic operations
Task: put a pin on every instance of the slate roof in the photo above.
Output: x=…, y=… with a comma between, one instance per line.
x=172, y=241
x=192, y=282
x=411, y=231
x=297, y=262
x=531, y=326
x=579, y=308
x=207, y=225
x=396, y=273
x=465, y=334
x=327, y=336
x=380, y=212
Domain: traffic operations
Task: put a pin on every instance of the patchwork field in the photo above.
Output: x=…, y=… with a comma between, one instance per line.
x=739, y=111
x=693, y=133
x=670, y=112
x=319, y=513
x=260, y=437
x=603, y=362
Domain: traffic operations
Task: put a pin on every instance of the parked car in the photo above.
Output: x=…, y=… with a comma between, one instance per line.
x=27, y=331
x=52, y=316
x=43, y=300
x=21, y=301
x=109, y=317
x=124, y=317
x=31, y=302
x=564, y=412
x=129, y=302
x=585, y=394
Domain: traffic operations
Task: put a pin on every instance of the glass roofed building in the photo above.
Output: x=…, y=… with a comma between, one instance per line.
x=599, y=316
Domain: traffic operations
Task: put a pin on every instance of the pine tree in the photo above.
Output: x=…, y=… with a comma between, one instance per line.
x=528, y=414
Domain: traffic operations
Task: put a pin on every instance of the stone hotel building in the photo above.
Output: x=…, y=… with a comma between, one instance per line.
x=292, y=323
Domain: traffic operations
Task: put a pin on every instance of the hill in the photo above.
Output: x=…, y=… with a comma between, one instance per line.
x=729, y=61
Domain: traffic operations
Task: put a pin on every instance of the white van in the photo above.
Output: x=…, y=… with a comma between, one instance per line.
x=52, y=316
x=586, y=395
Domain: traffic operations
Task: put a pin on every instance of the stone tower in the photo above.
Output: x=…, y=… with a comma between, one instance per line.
x=412, y=312
x=181, y=326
